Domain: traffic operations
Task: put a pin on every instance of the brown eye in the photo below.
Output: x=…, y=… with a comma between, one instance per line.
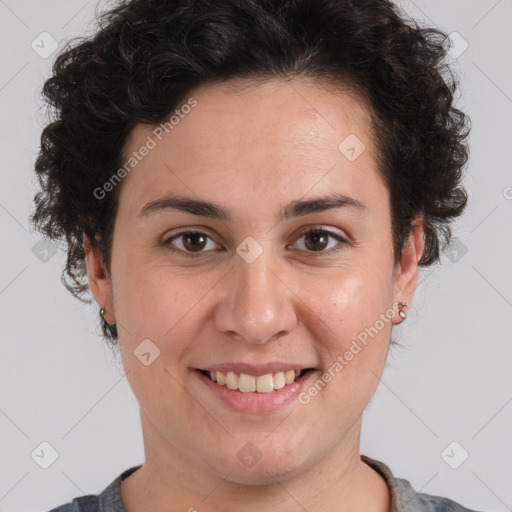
x=317, y=240
x=192, y=243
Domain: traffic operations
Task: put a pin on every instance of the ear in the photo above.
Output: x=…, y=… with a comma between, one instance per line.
x=99, y=282
x=406, y=274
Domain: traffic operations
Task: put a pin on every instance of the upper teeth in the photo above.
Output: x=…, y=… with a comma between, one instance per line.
x=250, y=383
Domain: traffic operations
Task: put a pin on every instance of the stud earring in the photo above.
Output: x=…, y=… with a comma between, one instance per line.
x=110, y=330
x=403, y=314
x=102, y=314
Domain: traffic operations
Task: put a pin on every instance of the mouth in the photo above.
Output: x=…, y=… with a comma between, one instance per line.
x=246, y=383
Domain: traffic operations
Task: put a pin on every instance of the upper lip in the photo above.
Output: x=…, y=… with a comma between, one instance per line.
x=255, y=370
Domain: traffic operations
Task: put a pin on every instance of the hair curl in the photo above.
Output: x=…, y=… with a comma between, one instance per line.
x=148, y=54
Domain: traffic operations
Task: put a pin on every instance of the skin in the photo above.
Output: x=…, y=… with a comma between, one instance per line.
x=253, y=150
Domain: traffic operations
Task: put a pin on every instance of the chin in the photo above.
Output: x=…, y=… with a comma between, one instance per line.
x=250, y=465
x=262, y=473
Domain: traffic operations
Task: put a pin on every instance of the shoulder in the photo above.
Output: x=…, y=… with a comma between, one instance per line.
x=109, y=500
x=405, y=499
x=89, y=503
x=412, y=501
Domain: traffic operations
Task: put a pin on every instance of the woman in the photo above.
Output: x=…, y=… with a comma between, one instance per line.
x=248, y=189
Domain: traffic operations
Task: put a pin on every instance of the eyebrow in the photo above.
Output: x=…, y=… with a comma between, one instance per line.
x=214, y=210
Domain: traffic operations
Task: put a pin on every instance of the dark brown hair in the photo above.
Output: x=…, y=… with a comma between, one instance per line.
x=148, y=54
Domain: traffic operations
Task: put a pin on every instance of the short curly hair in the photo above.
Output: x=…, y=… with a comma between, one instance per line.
x=147, y=55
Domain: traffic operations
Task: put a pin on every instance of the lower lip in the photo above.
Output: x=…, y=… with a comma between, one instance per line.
x=256, y=402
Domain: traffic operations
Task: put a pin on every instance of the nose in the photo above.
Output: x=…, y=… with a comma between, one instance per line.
x=257, y=304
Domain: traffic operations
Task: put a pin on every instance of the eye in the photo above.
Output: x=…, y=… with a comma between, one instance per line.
x=316, y=240
x=191, y=242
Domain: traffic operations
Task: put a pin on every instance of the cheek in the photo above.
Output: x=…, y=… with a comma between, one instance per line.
x=353, y=315
x=348, y=301
x=156, y=304
x=152, y=295
x=157, y=311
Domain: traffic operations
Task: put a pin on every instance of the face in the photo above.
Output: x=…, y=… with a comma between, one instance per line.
x=255, y=291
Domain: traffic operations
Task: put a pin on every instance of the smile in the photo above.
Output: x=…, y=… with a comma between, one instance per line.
x=245, y=383
x=255, y=389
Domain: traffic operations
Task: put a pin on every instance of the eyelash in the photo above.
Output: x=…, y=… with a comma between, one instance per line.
x=166, y=243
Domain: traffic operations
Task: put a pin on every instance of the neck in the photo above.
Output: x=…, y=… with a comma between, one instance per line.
x=340, y=481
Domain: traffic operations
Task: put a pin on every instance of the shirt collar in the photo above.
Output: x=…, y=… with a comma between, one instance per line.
x=403, y=496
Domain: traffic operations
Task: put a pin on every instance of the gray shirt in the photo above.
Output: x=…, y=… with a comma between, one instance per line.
x=403, y=496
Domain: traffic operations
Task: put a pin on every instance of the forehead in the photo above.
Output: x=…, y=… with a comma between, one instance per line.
x=275, y=112
x=259, y=137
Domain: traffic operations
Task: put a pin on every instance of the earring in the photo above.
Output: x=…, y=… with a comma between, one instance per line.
x=110, y=330
x=102, y=313
x=403, y=314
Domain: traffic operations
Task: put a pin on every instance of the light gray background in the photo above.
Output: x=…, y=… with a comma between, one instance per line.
x=452, y=381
